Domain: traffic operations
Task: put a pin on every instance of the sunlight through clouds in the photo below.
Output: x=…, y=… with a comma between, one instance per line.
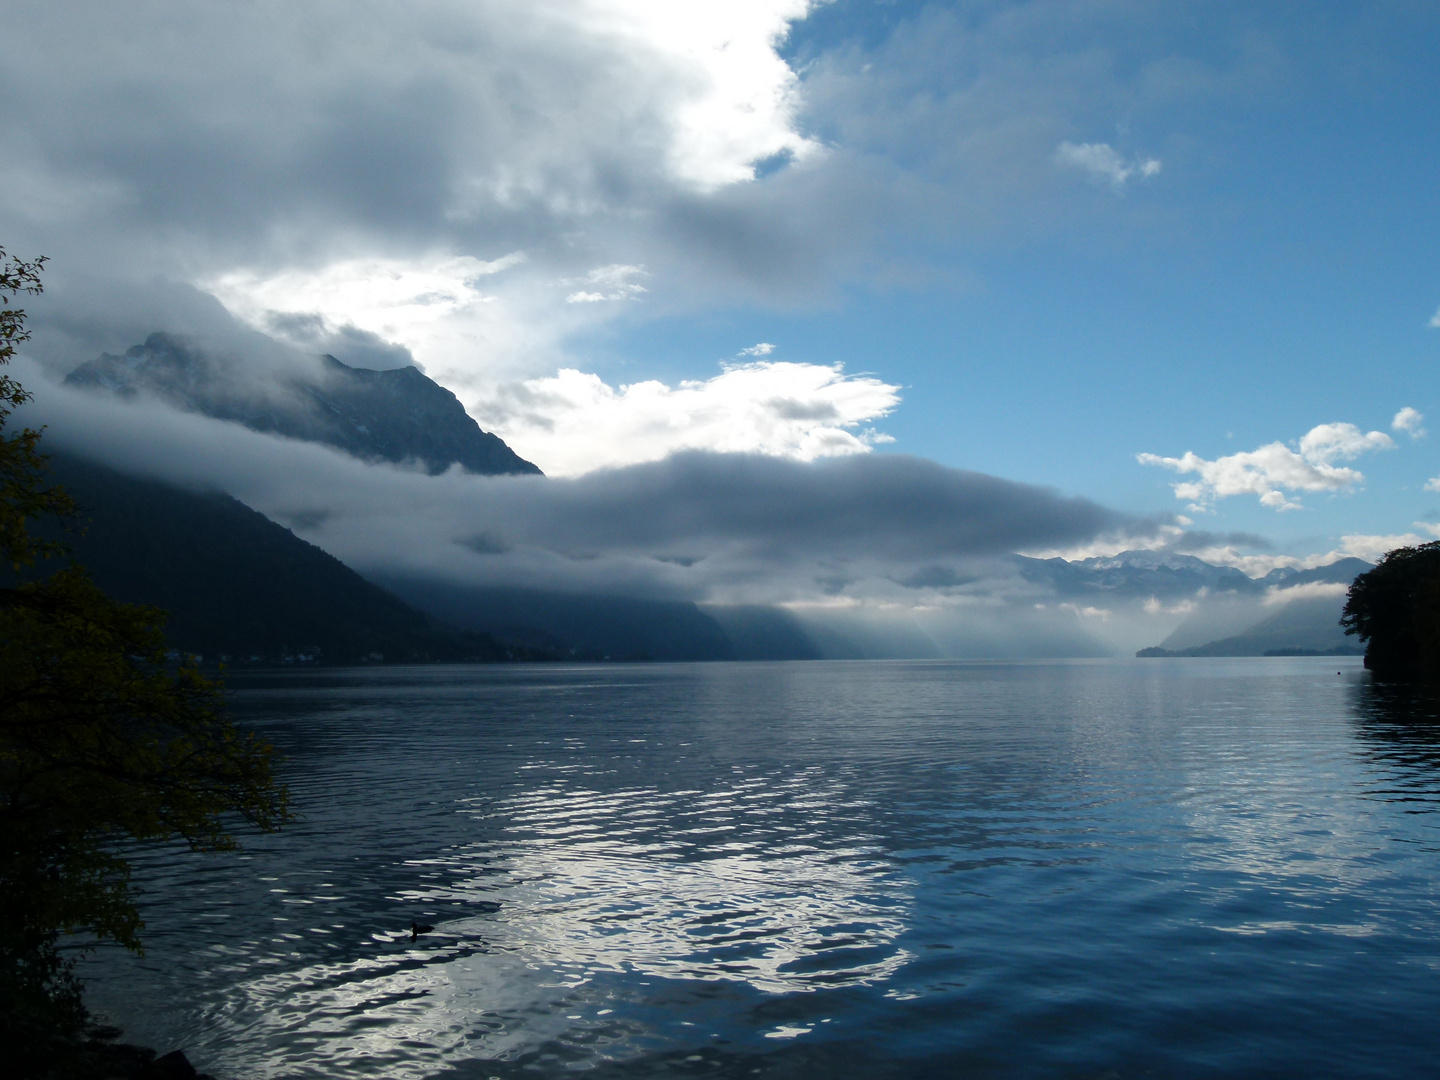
x=418, y=303
x=744, y=99
x=574, y=422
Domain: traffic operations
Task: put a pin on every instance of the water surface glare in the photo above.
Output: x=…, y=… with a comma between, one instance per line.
x=1166, y=868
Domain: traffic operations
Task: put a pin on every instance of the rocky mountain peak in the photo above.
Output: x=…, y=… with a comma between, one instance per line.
x=396, y=415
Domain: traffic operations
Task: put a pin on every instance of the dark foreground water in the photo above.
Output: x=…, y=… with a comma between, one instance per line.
x=1184, y=868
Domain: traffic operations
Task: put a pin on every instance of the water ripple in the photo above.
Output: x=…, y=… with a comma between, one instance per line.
x=824, y=869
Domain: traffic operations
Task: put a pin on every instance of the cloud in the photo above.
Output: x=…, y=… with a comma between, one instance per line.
x=383, y=144
x=574, y=422
x=413, y=305
x=763, y=348
x=1371, y=547
x=1275, y=469
x=1194, y=541
x=1311, y=590
x=346, y=342
x=1409, y=421
x=696, y=525
x=388, y=149
x=1102, y=162
x=613, y=281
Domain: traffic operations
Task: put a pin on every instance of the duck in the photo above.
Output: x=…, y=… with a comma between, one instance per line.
x=416, y=929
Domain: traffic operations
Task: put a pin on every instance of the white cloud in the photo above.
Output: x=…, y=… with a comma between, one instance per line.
x=1409, y=421
x=1102, y=162
x=1311, y=590
x=1086, y=612
x=613, y=282
x=573, y=422
x=1435, y=319
x=1433, y=484
x=1325, y=444
x=764, y=348
x=1275, y=469
x=1370, y=548
x=472, y=323
x=386, y=296
x=441, y=307
x=742, y=99
x=1154, y=606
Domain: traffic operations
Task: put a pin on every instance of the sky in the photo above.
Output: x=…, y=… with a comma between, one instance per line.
x=1173, y=260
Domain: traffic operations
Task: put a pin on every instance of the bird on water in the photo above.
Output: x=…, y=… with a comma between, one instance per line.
x=416, y=929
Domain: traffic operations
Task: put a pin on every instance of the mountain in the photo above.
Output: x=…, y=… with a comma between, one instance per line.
x=1340, y=572
x=1308, y=623
x=397, y=415
x=770, y=633
x=582, y=627
x=238, y=586
x=1133, y=575
x=1301, y=627
x=235, y=583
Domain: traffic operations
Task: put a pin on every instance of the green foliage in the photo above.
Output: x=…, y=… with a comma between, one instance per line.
x=1395, y=608
x=103, y=740
x=42, y=1014
x=100, y=740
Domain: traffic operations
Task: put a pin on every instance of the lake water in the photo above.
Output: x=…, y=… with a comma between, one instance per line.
x=1167, y=868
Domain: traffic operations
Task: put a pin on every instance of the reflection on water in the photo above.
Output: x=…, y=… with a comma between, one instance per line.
x=735, y=883
x=583, y=887
x=1174, y=868
x=1399, y=727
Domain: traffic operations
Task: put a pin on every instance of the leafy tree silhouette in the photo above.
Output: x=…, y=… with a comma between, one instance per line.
x=1395, y=609
x=103, y=738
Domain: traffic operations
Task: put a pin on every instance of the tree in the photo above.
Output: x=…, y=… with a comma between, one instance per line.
x=1395, y=609
x=23, y=493
x=103, y=738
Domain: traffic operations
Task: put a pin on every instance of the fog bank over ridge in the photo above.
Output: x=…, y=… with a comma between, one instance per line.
x=872, y=554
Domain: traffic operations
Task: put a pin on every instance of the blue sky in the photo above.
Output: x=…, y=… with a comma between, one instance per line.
x=1278, y=273
x=949, y=198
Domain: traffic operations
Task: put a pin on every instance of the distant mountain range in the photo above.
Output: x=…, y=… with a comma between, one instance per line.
x=1299, y=614
x=1133, y=575
x=1300, y=628
x=398, y=415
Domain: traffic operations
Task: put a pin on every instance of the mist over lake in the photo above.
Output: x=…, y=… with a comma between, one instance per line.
x=1178, y=868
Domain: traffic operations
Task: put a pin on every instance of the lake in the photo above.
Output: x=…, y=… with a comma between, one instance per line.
x=1167, y=868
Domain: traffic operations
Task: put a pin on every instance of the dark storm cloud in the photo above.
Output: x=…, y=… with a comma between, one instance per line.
x=350, y=344
x=887, y=507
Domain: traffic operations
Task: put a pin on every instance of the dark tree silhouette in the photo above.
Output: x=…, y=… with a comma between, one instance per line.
x=103, y=738
x=1395, y=609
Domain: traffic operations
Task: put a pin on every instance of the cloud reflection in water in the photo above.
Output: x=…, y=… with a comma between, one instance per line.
x=590, y=897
